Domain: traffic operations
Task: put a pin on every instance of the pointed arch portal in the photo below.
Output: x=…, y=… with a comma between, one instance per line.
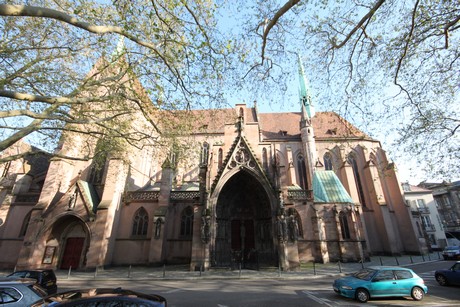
x=244, y=226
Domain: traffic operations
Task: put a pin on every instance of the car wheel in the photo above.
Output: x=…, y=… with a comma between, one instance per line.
x=441, y=279
x=362, y=295
x=417, y=293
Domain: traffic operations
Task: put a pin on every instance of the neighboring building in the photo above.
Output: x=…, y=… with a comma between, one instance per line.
x=242, y=188
x=425, y=215
x=447, y=198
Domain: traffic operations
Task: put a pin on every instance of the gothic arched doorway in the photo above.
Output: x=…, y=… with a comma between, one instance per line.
x=73, y=238
x=244, y=226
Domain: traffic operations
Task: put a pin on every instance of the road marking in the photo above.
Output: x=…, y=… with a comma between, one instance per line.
x=173, y=290
x=316, y=299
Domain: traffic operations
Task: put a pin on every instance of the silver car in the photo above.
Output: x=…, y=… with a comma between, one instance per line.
x=19, y=292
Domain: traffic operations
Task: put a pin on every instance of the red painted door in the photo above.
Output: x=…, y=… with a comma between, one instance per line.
x=72, y=253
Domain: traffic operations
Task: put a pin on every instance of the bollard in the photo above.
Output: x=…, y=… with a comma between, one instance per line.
x=397, y=262
x=68, y=274
x=95, y=273
x=429, y=257
x=164, y=270
x=381, y=263
x=314, y=268
x=411, y=260
x=239, y=271
x=439, y=256
x=362, y=263
x=279, y=270
x=340, y=267
x=423, y=258
x=129, y=271
x=201, y=269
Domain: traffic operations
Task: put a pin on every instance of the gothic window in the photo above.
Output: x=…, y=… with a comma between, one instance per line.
x=204, y=153
x=265, y=159
x=327, y=161
x=140, y=222
x=25, y=224
x=344, y=227
x=359, y=186
x=302, y=170
x=97, y=170
x=186, y=222
x=220, y=157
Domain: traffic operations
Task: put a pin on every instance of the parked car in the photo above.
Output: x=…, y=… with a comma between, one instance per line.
x=450, y=276
x=44, y=277
x=380, y=281
x=101, y=297
x=451, y=252
x=19, y=292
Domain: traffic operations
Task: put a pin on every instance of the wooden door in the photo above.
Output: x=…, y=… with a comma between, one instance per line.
x=72, y=253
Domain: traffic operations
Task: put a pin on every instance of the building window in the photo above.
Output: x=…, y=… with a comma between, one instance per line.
x=140, y=222
x=302, y=171
x=354, y=165
x=186, y=222
x=327, y=161
x=204, y=153
x=220, y=157
x=25, y=224
x=421, y=203
x=344, y=227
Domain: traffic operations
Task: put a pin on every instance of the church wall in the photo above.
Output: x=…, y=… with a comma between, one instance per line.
x=131, y=251
x=11, y=242
x=177, y=249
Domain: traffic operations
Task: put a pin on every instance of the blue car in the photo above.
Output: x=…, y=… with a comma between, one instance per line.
x=450, y=276
x=380, y=281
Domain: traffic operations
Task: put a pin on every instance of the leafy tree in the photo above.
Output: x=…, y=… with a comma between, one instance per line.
x=390, y=65
x=165, y=55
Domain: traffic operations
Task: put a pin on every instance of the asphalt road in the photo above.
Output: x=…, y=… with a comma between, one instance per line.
x=271, y=292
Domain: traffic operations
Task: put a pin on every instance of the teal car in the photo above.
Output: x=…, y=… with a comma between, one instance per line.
x=380, y=281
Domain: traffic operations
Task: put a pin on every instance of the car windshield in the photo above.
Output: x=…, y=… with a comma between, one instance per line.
x=365, y=274
x=452, y=248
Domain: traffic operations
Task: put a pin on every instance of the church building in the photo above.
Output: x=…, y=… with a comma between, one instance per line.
x=242, y=189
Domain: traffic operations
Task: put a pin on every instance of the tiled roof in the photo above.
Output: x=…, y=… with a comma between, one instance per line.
x=273, y=125
x=325, y=124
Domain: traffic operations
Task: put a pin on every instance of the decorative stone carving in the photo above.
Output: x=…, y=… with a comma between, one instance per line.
x=205, y=228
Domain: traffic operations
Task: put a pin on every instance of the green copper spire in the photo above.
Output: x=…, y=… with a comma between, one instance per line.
x=304, y=91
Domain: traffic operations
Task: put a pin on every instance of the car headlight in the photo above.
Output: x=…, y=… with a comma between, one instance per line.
x=347, y=287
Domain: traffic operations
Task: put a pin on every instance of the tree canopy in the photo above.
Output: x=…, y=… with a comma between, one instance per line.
x=389, y=66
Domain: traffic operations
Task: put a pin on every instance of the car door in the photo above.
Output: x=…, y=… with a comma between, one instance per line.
x=453, y=276
x=383, y=284
x=404, y=282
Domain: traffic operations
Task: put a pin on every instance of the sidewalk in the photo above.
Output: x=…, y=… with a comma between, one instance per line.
x=181, y=272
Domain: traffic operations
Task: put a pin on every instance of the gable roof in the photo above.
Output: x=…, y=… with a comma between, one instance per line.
x=282, y=125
